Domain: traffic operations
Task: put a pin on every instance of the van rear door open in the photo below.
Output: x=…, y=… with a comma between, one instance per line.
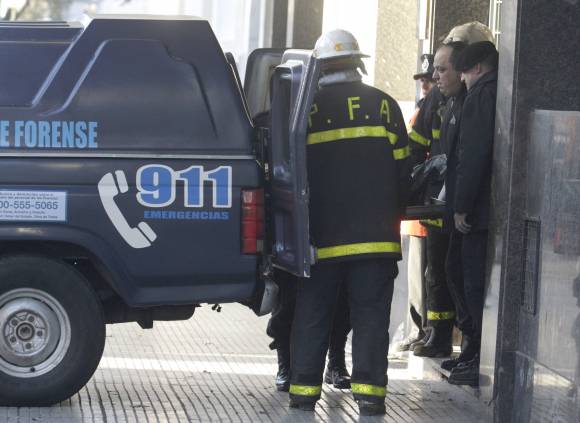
x=293, y=87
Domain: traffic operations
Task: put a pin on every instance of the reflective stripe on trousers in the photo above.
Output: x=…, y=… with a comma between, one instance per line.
x=440, y=315
x=372, y=390
x=305, y=390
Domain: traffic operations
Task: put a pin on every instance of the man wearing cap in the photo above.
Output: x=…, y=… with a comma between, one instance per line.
x=425, y=77
x=440, y=311
x=470, y=188
x=416, y=233
x=358, y=175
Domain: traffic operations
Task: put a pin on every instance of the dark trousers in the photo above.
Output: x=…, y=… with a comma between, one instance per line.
x=466, y=261
x=370, y=291
x=440, y=305
x=280, y=323
x=416, y=286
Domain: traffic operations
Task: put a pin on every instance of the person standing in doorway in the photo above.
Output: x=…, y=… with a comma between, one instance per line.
x=470, y=183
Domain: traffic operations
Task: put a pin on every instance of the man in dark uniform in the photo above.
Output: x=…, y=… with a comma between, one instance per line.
x=425, y=143
x=414, y=235
x=280, y=323
x=357, y=151
x=469, y=185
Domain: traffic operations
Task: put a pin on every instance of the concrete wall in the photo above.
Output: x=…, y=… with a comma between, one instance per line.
x=307, y=22
x=450, y=13
x=306, y=16
x=279, y=23
x=397, y=48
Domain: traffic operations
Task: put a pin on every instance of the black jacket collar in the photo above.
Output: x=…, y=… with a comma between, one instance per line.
x=485, y=79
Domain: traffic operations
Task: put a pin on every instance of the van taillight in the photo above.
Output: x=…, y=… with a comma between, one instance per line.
x=252, y=220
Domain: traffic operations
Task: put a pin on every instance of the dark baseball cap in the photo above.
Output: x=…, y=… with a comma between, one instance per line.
x=476, y=53
x=427, y=68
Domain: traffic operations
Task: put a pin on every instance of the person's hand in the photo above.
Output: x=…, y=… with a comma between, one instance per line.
x=461, y=223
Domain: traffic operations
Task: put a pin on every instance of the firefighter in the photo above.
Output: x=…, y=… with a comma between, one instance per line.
x=280, y=323
x=424, y=142
x=358, y=173
x=414, y=234
x=469, y=182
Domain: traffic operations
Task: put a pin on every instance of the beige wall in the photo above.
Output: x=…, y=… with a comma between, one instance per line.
x=279, y=23
x=396, y=49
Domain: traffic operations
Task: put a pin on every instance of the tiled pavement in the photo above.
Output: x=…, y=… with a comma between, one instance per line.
x=217, y=367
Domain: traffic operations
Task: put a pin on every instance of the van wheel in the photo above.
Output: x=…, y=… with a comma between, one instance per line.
x=52, y=331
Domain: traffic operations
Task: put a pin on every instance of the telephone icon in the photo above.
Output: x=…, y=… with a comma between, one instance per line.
x=141, y=236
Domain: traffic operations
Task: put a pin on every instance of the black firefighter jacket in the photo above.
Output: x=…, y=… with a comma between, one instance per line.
x=358, y=172
x=474, y=152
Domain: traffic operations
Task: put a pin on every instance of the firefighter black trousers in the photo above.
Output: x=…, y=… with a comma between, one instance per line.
x=280, y=323
x=466, y=263
x=369, y=284
x=440, y=305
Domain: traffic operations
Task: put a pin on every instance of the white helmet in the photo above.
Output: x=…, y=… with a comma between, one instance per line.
x=337, y=43
x=471, y=32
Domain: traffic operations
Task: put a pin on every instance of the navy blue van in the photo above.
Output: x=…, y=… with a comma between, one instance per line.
x=134, y=187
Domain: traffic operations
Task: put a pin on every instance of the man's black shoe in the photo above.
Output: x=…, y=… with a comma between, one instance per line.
x=469, y=350
x=337, y=376
x=454, y=363
x=464, y=366
x=465, y=375
x=304, y=406
x=450, y=364
x=367, y=408
x=405, y=344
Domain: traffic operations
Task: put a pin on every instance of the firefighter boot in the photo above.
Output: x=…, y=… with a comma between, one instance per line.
x=439, y=343
x=405, y=344
x=421, y=341
x=336, y=373
x=368, y=408
x=283, y=375
x=304, y=406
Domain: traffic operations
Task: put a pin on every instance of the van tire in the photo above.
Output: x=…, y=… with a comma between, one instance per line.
x=52, y=331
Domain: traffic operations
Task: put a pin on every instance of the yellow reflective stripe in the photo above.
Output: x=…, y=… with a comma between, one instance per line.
x=354, y=249
x=434, y=222
x=361, y=388
x=393, y=138
x=436, y=134
x=401, y=153
x=349, y=133
x=304, y=390
x=419, y=139
x=440, y=315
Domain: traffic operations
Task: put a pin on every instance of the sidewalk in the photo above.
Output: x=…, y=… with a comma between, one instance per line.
x=217, y=367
